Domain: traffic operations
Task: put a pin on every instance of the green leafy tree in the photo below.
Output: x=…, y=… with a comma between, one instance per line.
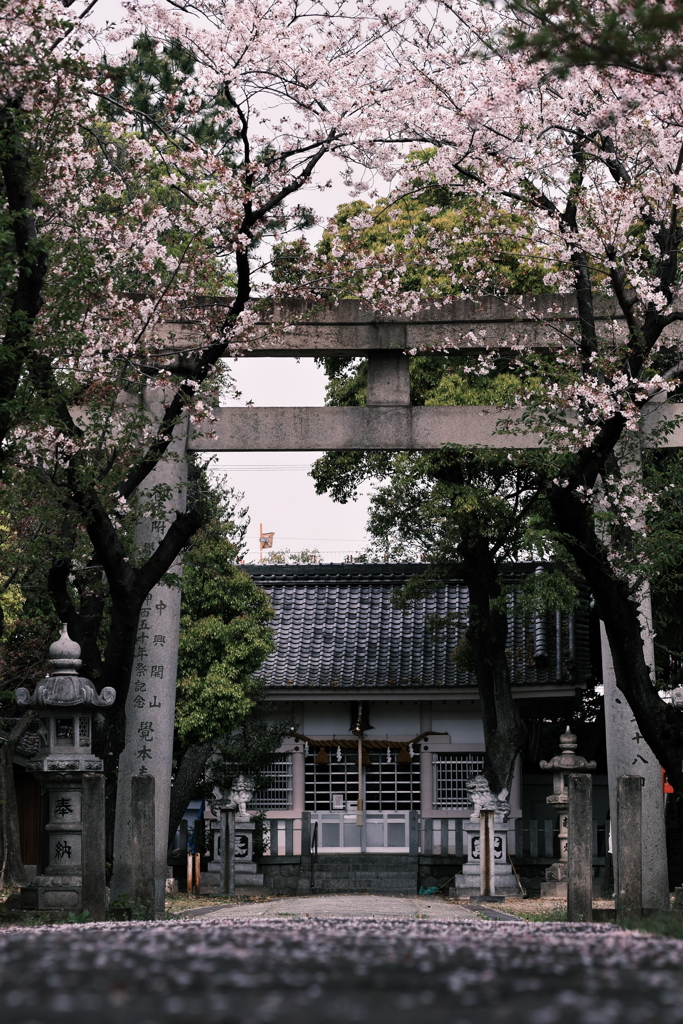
x=253, y=747
x=638, y=35
x=225, y=637
x=466, y=513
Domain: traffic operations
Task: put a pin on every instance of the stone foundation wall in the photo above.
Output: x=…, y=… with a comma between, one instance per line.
x=280, y=874
x=437, y=871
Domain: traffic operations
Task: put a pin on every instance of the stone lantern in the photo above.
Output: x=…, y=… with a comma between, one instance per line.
x=561, y=766
x=64, y=701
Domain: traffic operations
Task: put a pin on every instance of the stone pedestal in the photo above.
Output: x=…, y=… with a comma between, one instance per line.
x=59, y=886
x=468, y=883
x=246, y=871
x=237, y=832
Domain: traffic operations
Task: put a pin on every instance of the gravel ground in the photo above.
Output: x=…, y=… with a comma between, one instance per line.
x=327, y=971
x=351, y=905
x=553, y=908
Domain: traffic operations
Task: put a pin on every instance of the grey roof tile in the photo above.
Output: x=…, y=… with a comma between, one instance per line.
x=336, y=626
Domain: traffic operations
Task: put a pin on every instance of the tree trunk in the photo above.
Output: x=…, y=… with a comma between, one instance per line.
x=189, y=773
x=487, y=637
x=661, y=724
x=11, y=864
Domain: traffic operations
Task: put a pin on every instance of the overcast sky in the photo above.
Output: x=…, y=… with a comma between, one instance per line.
x=279, y=496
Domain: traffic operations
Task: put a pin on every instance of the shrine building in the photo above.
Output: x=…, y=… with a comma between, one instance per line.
x=349, y=661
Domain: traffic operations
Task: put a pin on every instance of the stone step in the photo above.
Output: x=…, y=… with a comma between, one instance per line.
x=389, y=873
x=361, y=873
x=363, y=870
x=368, y=860
x=378, y=885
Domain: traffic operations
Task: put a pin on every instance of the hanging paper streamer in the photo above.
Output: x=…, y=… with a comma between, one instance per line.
x=306, y=749
x=411, y=751
x=388, y=755
x=339, y=754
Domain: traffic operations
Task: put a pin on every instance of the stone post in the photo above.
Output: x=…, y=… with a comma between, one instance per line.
x=298, y=779
x=414, y=833
x=486, y=836
x=150, y=705
x=228, y=850
x=304, y=880
x=143, y=844
x=629, y=902
x=629, y=754
x=580, y=848
x=93, y=849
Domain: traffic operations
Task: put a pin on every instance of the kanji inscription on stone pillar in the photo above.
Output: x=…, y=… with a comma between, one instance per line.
x=150, y=706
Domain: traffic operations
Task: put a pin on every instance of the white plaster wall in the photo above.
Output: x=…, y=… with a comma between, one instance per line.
x=394, y=718
x=463, y=727
x=326, y=719
x=388, y=718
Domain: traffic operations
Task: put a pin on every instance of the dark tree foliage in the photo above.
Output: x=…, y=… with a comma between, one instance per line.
x=638, y=35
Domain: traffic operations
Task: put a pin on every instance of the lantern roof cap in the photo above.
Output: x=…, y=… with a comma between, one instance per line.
x=568, y=760
x=64, y=687
x=65, y=655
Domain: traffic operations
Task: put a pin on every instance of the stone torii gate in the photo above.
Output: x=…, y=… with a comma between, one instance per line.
x=387, y=422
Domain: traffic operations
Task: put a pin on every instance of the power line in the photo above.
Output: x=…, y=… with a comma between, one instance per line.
x=261, y=469
x=308, y=540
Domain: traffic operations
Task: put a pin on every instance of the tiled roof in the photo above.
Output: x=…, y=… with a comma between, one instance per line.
x=336, y=626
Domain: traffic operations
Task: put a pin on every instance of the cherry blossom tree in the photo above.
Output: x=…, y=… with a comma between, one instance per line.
x=594, y=161
x=147, y=168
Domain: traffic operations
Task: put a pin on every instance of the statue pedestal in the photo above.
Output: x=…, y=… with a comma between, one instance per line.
x=246, y=871
x=468, y=884
x=555, y=884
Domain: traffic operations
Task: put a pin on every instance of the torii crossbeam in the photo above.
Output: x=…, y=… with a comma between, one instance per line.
x=388, y=422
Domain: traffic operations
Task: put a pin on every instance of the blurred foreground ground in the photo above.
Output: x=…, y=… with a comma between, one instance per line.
x=394, y=961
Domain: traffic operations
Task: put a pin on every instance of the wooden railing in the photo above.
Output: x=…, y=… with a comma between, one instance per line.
x=534, y=838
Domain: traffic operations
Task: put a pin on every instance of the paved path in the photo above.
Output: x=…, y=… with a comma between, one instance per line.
x=357, y=905
x=338, y=971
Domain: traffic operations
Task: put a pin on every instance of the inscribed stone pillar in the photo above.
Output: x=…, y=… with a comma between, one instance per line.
x=630, y=867
x=150, y=706
x=629, y=754
x=143, y=844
